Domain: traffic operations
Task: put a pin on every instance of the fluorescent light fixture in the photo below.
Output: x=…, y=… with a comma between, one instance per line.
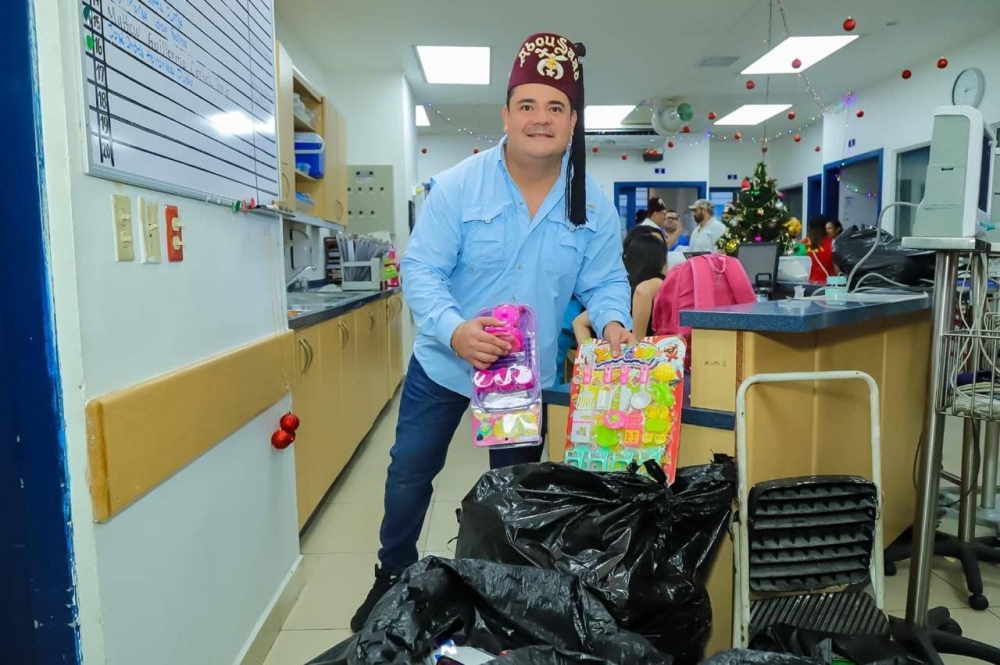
x=808, y=50
x=752, y=114
x=469, y=65
x=605, y=117
x=421, y=114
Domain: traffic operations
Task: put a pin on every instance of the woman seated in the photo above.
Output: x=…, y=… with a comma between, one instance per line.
x=820, y=250
x=645, y=259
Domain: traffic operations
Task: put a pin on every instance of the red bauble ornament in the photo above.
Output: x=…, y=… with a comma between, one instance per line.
x=475, y=151
x=423, y=151
x=595, y=149
x=711, y=115
x=289, y=422
x=796, y=63
x=670, y=144
x=745, y=185
x=816, y=148
x=907, y=74
x=791, y=115
x=686, y=129
x=624, y=156
x=850, y=24
x=738, y=136
x=282, y=439
x=751, y=85
x=797, y=138
x=942, y=63
x=764, y=150
x=860, y=113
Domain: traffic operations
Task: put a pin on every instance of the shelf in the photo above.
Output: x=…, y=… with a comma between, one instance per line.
x=302, y=86
x=305, y=176
x=302, y=124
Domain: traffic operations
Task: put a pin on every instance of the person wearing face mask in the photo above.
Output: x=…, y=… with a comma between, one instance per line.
x=674, y=232
x=518, y=223
x=708, y=231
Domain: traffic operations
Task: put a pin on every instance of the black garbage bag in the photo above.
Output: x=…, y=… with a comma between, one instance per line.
x=750, y=657
x=643, y=548
x=890, y=259
x=493, y=607
x=860, y=649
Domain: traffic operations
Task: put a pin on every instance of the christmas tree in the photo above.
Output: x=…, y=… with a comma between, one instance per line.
x=759, y=215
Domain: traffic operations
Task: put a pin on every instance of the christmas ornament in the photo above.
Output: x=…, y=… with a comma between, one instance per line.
x=758, y=238
x=796, y=63
x=764, y=150
x=624, y=157
x=670, y=144
x=791, y=115
x=475, y=151
x=685, y=112
x=737, y=136
x=423, y=151
x=686, y=130
x=860, y=113
x=797, y=138
x=760, y=212
x=907, y=74
x=850, y=24
x=711, y=115
x=745, y=185
x=732, y=246
x=751, y=85
x=282, y=439
x=816, y=148
x=801, y=249
x=595, y=149
x=289, y=422
x=942, y=63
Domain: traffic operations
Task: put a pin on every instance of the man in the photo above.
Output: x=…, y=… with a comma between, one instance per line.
x=708, y=231
x=673, y=231
x=519, y=223
x=656, y=214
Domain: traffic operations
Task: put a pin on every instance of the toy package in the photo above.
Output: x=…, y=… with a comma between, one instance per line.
x=507, y=397
x=626, y=410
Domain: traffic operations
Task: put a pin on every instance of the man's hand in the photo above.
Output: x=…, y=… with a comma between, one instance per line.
x=472, y=343
x=616, y=335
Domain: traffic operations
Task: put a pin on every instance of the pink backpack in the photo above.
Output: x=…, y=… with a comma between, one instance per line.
x=702, y=282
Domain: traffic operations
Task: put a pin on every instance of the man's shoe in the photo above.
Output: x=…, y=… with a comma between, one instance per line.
x=384, y=580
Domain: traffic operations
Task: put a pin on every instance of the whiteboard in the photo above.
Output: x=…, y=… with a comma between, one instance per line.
x=180, y=96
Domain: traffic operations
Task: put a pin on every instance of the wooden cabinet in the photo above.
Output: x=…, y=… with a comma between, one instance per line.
x=355, y=423
x=286, y=127
x=307, y=393
x=335, y=182
x=394, y=342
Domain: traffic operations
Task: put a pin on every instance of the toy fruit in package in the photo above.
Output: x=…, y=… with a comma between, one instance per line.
x=506, y=397
x=626, y=410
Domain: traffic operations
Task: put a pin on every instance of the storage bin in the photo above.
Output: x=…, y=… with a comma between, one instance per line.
x=311, y=149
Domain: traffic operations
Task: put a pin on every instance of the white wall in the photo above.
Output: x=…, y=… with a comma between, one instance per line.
x=791, y=163
x=186, y=572
x=731, y=157
x=857, y=208
x=899, y=114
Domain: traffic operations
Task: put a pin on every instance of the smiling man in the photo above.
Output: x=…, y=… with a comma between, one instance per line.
x=520, y=223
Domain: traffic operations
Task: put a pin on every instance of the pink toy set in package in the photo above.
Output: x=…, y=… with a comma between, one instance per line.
x=507, y=397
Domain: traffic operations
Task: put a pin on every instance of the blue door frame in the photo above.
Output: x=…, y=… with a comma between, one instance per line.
x=814, y=196
x=38, y=623
x=831, y=186
x=631, y=207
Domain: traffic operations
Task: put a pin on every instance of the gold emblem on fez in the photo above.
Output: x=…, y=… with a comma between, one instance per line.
x=550, y=65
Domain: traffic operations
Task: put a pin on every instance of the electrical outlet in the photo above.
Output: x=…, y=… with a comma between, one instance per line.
x=175, y=236
x=124, y=237
x=150, y=246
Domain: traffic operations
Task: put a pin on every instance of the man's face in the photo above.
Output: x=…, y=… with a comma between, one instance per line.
x=538, y=121
x=700, y=215
x=659, y=217
x=672, y=221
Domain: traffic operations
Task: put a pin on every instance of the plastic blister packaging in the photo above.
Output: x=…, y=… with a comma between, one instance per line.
x=507, y=396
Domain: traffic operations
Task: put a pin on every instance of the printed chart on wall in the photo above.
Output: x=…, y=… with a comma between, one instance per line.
x=181, y=96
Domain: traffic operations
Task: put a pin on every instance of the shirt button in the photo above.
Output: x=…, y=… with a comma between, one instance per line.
x=520, y=267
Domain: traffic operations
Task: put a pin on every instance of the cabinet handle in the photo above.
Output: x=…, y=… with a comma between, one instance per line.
x=309, y=362
x=343, y=334
x=305, y=356
x=388, y=311
x=371, y=327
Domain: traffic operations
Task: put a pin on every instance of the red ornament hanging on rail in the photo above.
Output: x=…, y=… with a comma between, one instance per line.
x=817, y=148
x=751, y=85
x=670, y=144
x=796, y=63
x=791, y=115
x=738, y=136
x=942, y=63
x=686, y=129
x=711, y=115
x=850, y=24
x=423, y=151
x=764, y=150
x=624, y=157
x=797, y=138
x=282, y=439
x=596, y=149
x=860, y=113
x=289, y=422
x=907, y=74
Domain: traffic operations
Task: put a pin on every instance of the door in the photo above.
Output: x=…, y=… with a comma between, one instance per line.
x=632, y=197
x=355, y=401
x=793, y=201
x=286, y=125
x=338, y=445
x=814, y=197
x=307, y=394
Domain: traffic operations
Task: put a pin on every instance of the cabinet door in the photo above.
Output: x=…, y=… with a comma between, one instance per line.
x=340, y=442
x=380, y=359
x=355, y=422
x=335, y=181
x=286, y=127
x=310, y=479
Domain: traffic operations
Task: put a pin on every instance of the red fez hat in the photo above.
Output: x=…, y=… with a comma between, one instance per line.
x=552, y=60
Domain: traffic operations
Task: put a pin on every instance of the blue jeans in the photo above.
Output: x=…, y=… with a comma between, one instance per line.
x=429, y=415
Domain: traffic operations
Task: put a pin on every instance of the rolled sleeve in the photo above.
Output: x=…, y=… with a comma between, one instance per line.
x=602, y=284
x=428, y=264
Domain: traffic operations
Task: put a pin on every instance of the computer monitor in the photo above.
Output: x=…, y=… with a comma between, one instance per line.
x=760, y=260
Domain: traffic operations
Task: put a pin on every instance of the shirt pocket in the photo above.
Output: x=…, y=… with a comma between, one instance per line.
x=565, y=244
x=482, y=238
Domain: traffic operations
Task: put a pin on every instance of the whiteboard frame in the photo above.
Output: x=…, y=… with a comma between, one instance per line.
x=98, y=170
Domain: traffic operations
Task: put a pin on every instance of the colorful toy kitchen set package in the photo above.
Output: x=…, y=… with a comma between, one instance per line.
x=507, y=397
x=626, y=410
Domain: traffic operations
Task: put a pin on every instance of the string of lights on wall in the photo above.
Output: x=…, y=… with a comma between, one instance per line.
x=464, y=130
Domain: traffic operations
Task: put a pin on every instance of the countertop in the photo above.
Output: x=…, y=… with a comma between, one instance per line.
x=805, y=315
x=559, y=396
x=325, y=306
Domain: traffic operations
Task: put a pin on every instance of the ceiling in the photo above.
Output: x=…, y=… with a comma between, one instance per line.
x=637, y=49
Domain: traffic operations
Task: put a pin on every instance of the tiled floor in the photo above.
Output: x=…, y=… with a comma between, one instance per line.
x=339, y=549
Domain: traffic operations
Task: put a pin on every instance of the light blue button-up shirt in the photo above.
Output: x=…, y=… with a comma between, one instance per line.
x=474, y=246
